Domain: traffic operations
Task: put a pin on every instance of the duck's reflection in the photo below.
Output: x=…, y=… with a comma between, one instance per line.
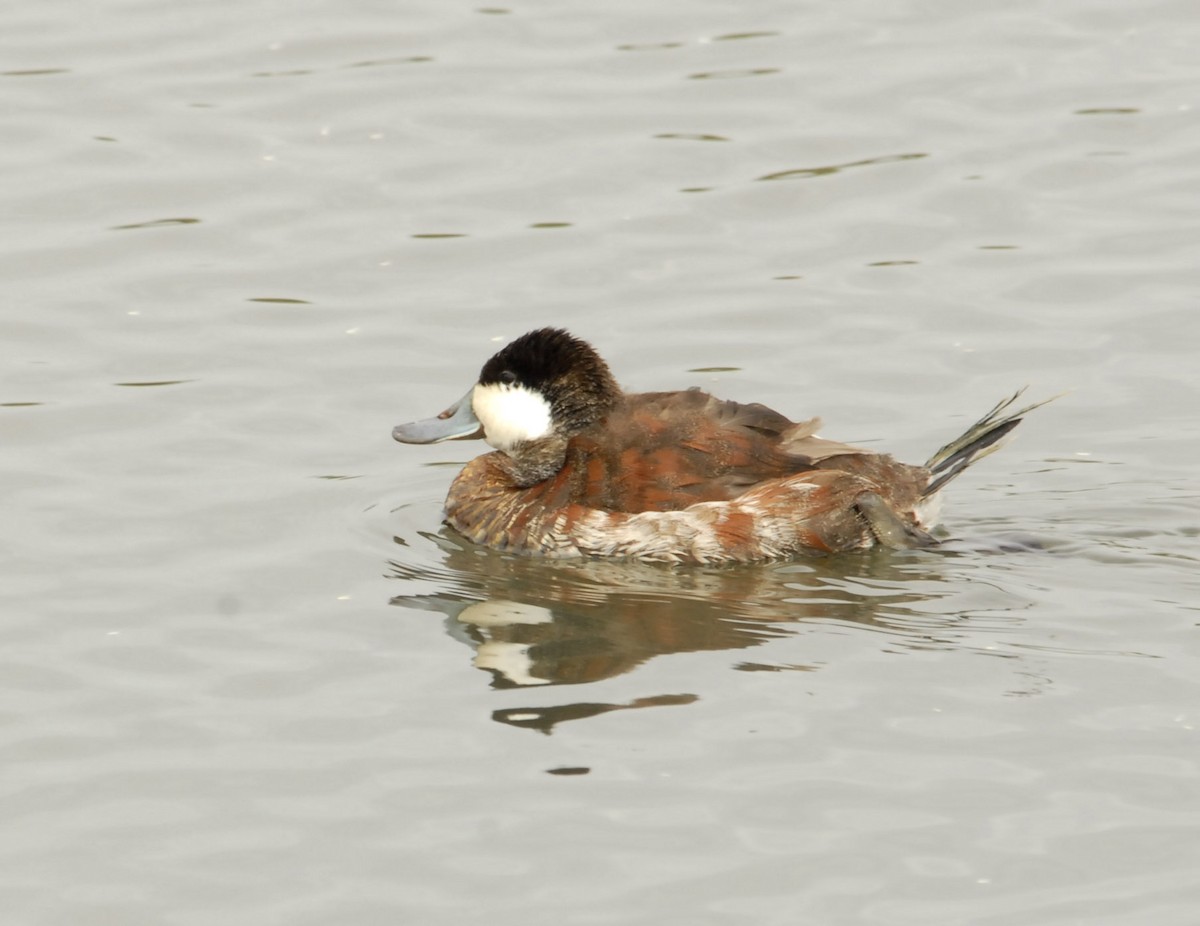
x=535, y=623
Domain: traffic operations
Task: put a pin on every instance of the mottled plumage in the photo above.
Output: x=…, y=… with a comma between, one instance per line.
x=582, y=469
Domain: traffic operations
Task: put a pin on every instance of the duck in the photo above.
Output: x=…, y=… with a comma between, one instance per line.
x=580, y=468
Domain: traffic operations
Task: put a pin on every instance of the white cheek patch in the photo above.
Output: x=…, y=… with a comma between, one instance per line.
x=510, y=414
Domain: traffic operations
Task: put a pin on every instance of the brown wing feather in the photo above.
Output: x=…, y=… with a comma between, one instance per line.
x=665, y=451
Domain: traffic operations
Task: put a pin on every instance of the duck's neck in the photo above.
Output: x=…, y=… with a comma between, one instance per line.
x=531, y=462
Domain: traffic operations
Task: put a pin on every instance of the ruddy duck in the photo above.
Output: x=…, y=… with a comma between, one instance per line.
x=581, y=468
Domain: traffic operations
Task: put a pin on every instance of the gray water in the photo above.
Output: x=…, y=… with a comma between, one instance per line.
x=247, y=677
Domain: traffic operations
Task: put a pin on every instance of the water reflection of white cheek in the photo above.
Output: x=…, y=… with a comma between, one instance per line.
x=511, y=660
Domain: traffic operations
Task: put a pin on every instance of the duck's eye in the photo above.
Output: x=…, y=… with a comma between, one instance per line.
x=508, y=377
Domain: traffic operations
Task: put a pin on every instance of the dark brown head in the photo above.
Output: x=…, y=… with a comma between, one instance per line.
x=531, y=397
x=544, y=383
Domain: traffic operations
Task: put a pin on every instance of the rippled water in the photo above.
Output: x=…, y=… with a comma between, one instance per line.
x=248, y=677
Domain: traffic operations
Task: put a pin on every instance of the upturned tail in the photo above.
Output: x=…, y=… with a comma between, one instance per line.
x=983, y=437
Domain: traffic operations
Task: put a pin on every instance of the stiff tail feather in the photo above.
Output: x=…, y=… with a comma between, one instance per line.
x=983, y=437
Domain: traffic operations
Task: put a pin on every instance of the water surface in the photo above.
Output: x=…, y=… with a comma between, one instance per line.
x=248, y=677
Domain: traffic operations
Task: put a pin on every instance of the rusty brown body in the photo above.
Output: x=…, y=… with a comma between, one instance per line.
x=686, y=477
